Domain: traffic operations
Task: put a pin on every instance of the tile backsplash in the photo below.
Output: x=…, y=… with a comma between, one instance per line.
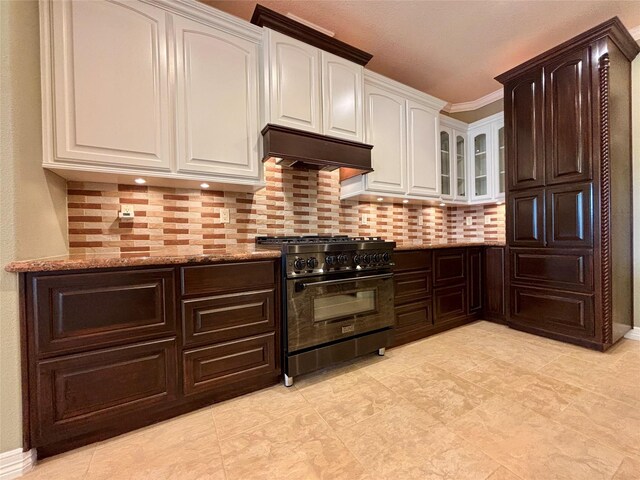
x=294, y=202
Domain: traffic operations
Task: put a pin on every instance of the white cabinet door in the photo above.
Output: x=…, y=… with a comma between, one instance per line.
x=294, y=70
x=342, y=85
x=217, y=97
x=480, y=163
x=447, y=151
x=459, y=158
x=385, y=129
x=110, y=89
x=499, y=159
x=422, y=152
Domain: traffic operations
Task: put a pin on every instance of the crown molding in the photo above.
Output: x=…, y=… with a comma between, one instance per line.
x=635, y=33
x=474, y=104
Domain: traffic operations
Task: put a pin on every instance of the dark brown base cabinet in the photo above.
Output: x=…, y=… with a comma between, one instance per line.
x=569, y=205
x=436, y=290
x=108, y=351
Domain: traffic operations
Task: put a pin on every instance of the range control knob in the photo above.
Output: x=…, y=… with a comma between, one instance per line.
x=377, y=257
x=357, y=259
x=330, y=260
x=342, y=259
x=312, y=262
x=386, y=257
x=366, y=258
x=299, y=263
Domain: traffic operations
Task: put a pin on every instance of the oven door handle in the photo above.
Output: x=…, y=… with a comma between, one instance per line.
x=302, y=285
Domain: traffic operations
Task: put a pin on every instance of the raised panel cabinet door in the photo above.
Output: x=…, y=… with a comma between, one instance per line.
x=449, y=303
x=414, y=315
x=524, y=143
x=567, y=269
x=474, y=279
x=449, y=266
x=84, y=393
x=74, y=312
x=569, y=215
x=494, y=282
x=411, y=286
x=423, y=152
x=525, y=225
x=109, y=85
x=295, y=83
x=567, y=115
x=342, y=98
x=217, y=101
x=385, y=129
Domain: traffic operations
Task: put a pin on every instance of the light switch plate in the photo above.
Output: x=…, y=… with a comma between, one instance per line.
x=487, y=219
x=364, y=219
x=468, y=221
x=224, y=215
x=420, y=221
x=126, y=212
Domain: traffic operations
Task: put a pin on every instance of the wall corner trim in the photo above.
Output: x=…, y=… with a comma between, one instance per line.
x=633, y=334
x=15, y=463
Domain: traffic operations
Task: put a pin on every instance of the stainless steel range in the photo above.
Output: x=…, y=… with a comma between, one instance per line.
x=337, y=298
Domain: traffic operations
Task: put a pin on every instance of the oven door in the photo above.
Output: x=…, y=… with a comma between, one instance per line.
x=321, y=310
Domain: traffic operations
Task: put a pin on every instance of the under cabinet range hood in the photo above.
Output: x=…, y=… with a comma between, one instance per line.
x=290, y=147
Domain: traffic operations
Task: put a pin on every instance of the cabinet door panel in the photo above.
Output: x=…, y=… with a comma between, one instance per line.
x=475, y=283
x=342, y=86
x=569, y=216
x=422, y=155
x=75, y=312
x=524, y=143
x=228, y=317
x=209, y=368
x=526, y=210
x=295, y=83
x=414, y=315
x=412, y=260
x=449, y=267
x=567, y=113
x=411, y=286
x=480, y=163
x=110, y=85
x=84, y=393
x=494, y=264
x=449, y=303
x=570, y=270
x=217, y=93
x=211, y=279
x=560, y=312
x=385, y=129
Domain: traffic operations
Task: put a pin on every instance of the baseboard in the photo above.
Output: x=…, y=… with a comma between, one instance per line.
x=633, y=334
x=15, y=463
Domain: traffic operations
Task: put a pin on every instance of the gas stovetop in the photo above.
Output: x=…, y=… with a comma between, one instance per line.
x=318, y=254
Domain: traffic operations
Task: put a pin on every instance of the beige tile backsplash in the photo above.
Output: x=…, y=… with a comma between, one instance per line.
x=294, y=202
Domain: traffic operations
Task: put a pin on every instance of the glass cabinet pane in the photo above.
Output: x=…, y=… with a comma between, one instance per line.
x=445, y=163
x=460, y=167
x=480, y=164
x=501, y=169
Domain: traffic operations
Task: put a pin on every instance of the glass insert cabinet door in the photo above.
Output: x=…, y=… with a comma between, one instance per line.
x=501, y=168
x=461, y=184
x=445, y=163
x=480, y=164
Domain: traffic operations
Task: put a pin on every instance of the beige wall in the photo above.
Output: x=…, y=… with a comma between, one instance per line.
x=635, y=96
x=474, y=115
x=32, y=201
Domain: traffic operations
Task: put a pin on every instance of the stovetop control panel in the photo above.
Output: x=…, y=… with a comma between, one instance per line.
x=303, y=264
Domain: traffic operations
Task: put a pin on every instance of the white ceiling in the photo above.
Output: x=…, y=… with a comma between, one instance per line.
x=449, y=49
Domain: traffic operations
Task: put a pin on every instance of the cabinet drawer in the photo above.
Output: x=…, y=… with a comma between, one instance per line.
x=448, y=267
x=449, y=303
x=86, y=392
x=412, y=260
x=227, y=317
x=209, y=368
x=554, y=311
x=414, y=315
x=572, y=271
x=226, y=277
x=412, y=286
x=79, y=311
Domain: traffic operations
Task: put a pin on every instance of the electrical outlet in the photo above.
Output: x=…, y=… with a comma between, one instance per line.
x=420, y=221
x=468, y=221
x=487, y=219
x=126, y=212
x=224, y=215
x=364, y=219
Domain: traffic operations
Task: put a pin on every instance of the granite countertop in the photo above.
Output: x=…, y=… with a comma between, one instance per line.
x=182, y=256
x=176, y=256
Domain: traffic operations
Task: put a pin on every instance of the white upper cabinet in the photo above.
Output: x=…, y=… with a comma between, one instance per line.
x=294, y=77
x=107, y=83
x=446, y=155
x=166, y=90
x=485, y=168
x=453, y=155
x=498, y=135
x=217, y=98
x=342, y=108
x=460, y=165
x=385, y=114
x=423, y=165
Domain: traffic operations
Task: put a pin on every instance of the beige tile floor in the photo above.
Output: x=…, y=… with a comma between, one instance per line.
x=479, y=402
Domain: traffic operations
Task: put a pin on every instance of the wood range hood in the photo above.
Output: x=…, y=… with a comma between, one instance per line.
x=291, y=147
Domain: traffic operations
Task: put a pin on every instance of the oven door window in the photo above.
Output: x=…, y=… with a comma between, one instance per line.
x=344, y=305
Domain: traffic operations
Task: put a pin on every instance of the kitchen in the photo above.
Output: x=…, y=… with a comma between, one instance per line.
x=155, y=261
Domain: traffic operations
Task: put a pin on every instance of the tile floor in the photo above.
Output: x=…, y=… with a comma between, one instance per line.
x=478, y=402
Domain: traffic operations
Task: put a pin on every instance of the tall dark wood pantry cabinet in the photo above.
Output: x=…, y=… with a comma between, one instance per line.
x=569, y=203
